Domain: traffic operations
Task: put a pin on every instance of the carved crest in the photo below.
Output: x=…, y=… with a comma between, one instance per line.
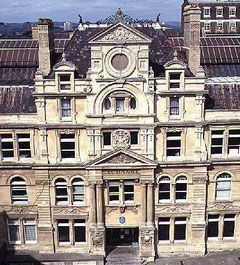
x=120, y=33
x=147, y=237
x=121, y=139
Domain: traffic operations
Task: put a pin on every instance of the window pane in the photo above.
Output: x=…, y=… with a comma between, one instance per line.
x=228, y=229
x=30, y=232
x=180, y=232
x=119, y=104
x=80, y=234
x=63, y=231
x=163, y=231
x=107, y=138
x=134, y=137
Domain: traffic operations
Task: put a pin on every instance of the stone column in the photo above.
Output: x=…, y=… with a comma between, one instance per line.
x=100, y=204
x=144, y=201
x=92, y=217
x=150, y=204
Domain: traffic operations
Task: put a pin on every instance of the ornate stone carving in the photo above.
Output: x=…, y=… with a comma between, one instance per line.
x=97, y=238
x=172, y=209
x=42, y=182
x=119, y=34
x=111, y=209
x=70, y=210
x=121, y=159
x=121, y=139
x=20, y=210
x=147, y=237
x=223, y=206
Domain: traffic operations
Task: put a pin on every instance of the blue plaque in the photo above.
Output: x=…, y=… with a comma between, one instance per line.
x=122, y=220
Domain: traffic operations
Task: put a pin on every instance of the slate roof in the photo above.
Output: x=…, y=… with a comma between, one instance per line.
x=78, y=49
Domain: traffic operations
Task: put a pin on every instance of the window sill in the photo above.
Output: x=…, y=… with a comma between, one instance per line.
x=180, y=241
x=64, y=244
x=164, y=242
x=224, y=200
x=20, y=203
x=66, y=119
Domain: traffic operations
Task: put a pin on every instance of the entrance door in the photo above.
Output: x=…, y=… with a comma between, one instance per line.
x=122, y=236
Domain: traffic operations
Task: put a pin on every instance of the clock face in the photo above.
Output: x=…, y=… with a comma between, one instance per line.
x=120, y=62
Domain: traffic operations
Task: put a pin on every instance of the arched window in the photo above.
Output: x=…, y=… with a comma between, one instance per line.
x=164, y=189
x=61, y=191
x=181, y=188
x=19, y=190
x=223, y=186
x=78, y=190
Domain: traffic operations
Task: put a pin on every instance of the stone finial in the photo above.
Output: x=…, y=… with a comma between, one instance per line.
x=158, y=18
x=119, y=15
x=64, y=59
x=80, y=19
x=175, y=56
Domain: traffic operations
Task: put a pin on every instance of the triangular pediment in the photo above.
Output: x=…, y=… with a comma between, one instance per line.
x=122, y=157
x=120, y=33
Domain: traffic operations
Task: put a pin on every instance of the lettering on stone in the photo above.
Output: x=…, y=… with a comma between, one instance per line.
x=121, y=172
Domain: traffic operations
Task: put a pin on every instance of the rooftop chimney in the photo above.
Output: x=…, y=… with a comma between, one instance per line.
x=46, y=44
x=192, y=16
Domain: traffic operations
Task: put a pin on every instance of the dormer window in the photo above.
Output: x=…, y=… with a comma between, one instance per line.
x=65, y=81
x=206, y=11
x=174, y=80
x=232, y=11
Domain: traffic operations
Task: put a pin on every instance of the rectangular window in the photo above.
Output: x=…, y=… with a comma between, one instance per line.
x=65, y=82
x=119, y=104
x=174, y=106
x=164, y=229
x=134, y=138
x=217, y=143
x=180, y=229
x=7, y=146
x=128, y=192
x=113, y=191
x=174, y=80
x=207, y=27
x=30, y=230
x=206, y=11
x=220, y=26
x=66, y=110
x=164, y=189
x=181, y=188
x=107, y=139
x=24, y=147
x=173, y=143
x=63, y=231
x=213, y=226
x=219, y=11
x=232, y=26
x=79, y=231
x=67, y=146
x=232, y=11
x=14, y=231
x=229, y=225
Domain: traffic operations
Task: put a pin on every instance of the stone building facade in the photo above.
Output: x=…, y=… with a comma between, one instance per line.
x=121, y=137
x=217, y=17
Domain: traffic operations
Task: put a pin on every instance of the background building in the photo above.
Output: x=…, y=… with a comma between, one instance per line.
x=119, y=136
x=68, y=26
x=217, y=17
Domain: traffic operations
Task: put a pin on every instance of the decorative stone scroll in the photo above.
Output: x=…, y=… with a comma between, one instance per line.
x=69, y=210
x=223, y=206
x=121, y=139
x=172, y=209
x=21, y=210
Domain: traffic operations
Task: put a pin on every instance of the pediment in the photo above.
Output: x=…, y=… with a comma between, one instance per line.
x=120, y=33
x=122, y=157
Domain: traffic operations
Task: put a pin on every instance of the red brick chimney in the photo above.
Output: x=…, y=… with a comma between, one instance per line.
x=192, y=25
x=46, y=44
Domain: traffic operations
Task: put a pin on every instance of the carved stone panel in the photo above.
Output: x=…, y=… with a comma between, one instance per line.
x=121, y=139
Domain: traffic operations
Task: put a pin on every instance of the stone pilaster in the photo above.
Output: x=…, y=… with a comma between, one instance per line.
x=45, y=222
x=144, y=202
x=97, y=229
x=198, y=219
x=147, y=229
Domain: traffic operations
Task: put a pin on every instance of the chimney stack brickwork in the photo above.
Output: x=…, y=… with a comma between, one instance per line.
x=192, y=16
x=46, y=44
